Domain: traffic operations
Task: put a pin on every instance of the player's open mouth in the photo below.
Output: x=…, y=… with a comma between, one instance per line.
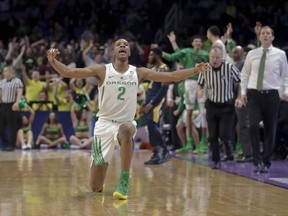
x=122, y=51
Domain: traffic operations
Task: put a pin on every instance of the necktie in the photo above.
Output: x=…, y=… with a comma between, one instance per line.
x=261, y=70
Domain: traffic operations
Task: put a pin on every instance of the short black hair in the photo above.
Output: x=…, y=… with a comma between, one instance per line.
x=214, y=30
x=196, y=37
x=116, y=39
x=157, y=51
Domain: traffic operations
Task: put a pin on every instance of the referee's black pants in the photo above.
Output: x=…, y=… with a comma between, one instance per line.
x=263, y=105
x=220, y=120
x=8, y=119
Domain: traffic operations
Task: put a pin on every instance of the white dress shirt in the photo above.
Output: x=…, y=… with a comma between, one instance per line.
x=275, y=73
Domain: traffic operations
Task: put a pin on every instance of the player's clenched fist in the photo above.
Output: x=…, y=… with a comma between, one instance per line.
x=202, y=67
x=52, y=53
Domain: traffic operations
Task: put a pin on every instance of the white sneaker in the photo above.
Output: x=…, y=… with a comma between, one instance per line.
x=24, y=147
x=29, y=146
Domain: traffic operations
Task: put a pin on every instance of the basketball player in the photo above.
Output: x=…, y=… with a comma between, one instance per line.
x=118, y=84
x=155, y=98
x=189, y=57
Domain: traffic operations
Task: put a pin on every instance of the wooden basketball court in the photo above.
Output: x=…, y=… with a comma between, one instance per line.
x=56, y=183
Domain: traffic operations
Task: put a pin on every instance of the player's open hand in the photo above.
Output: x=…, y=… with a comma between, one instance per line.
x=202, y=67
x=52, y=53
x=172, y=37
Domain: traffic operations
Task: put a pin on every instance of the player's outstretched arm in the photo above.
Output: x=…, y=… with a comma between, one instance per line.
x=176, y=76
x=91, y=71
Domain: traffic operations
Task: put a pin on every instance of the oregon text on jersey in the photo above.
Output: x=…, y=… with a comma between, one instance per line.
x=121, y=83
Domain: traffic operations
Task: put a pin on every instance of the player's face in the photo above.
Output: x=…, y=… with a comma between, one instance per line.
x=197, y=44
x=215, y=57
x=266, y=36
x=152, y=58
x=121, y=50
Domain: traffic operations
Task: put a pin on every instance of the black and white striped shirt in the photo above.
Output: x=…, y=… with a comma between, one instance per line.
x=9, y=88
x=220, y=83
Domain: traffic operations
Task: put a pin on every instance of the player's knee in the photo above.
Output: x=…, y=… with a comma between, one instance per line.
x=127, y=130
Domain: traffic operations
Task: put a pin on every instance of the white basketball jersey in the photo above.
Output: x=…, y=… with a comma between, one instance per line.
x=118, y=95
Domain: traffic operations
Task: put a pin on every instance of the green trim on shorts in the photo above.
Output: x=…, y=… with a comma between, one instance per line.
x=97, y=152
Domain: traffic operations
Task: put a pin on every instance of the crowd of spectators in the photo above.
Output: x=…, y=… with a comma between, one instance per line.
x=84, y=31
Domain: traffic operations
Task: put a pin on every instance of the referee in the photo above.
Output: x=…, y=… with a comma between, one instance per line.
x=219, y=79
x=11, y=90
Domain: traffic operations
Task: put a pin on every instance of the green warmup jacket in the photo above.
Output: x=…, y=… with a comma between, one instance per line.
x=188, y=57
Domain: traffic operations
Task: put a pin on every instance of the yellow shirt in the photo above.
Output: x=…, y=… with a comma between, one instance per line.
x=33, y=89
x=42, y=107
x=79, y=90
x=61, y=91
x=64, y=105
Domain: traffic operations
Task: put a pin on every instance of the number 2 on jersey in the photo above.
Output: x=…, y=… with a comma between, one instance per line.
x=122, y=91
